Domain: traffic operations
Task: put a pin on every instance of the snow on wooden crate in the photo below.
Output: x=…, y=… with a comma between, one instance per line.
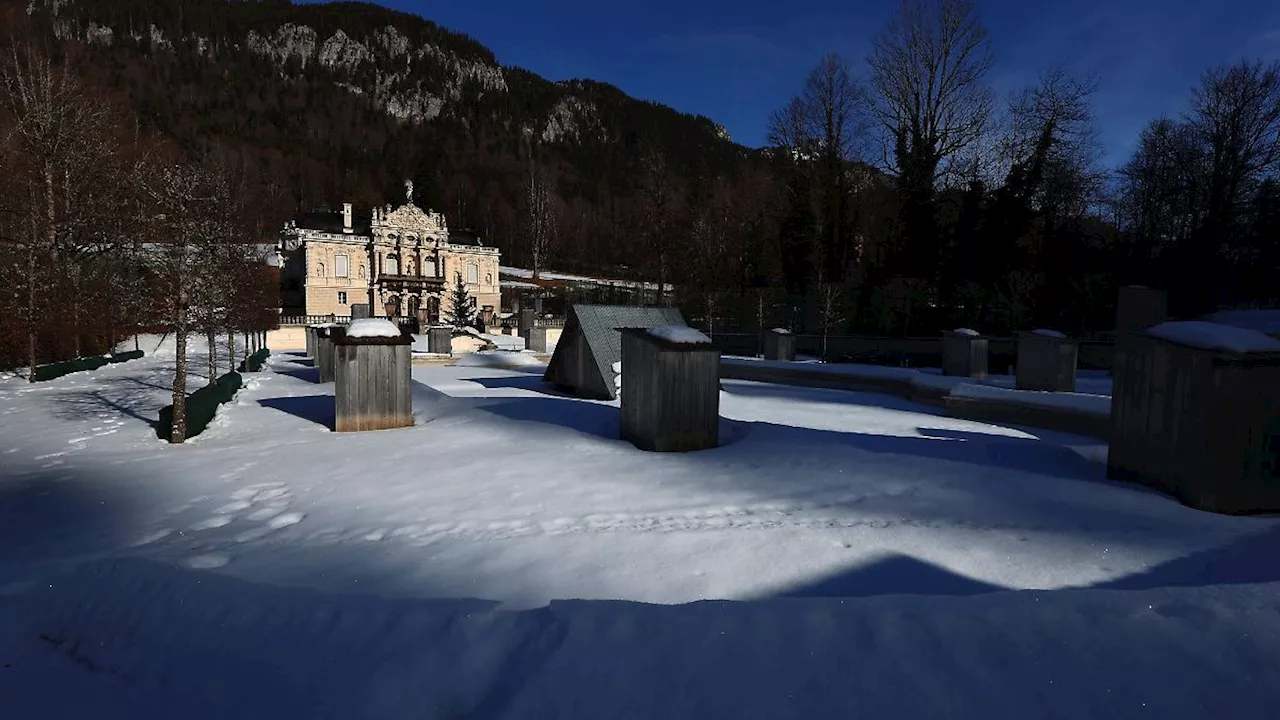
x=373, y=327
x=1215, y=336
x=679, y=334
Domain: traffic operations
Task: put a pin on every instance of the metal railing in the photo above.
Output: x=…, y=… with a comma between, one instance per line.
x=313, y=319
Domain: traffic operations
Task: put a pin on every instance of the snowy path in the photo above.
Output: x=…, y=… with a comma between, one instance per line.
x=508, y=492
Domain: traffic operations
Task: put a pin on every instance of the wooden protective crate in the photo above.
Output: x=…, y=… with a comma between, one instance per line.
x=1203, y=425
x=671, y=396
x=372, y=383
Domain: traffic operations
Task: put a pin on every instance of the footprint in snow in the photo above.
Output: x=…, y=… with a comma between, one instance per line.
x=207, y=562
x=152, y=537
x=266, y=513
x=285, y=520
x=252, y=535
x=216, y=521
x=233, y=507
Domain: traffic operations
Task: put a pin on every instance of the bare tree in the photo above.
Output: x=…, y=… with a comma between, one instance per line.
x=540, y=216
x=1236, y=111
x=61, y=136
x=824, y=129
x=927, y=70
x=657, y=197
x=195, y=213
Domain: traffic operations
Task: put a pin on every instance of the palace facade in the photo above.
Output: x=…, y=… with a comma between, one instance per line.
x=401, y=262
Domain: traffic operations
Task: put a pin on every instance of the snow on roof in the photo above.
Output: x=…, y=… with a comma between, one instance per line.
x=966, y=331
x=617, y=367
x=372, y=327
x=680, y=334
x=1048, y=333
x=781, y=331
x=1137, y=287
x=1214, y=336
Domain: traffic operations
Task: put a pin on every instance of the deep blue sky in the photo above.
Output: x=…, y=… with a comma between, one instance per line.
x=736, y=61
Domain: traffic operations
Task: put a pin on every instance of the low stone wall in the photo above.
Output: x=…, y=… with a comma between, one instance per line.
x=898, y=383
x=1006, y=413
x=916, y=351
x=288, y=337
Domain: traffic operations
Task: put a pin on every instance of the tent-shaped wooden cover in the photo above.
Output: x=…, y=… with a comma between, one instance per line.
x=592, y=342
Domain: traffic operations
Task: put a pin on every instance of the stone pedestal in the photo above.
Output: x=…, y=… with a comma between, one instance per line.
x=964, y=354
x=1046, y=362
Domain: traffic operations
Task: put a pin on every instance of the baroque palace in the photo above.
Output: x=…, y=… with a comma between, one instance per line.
x=400, y=262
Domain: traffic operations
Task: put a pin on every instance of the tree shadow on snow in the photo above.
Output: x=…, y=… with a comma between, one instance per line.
x=585, y=417
x=1029, y=455
x=319, y=409
x=892, y=575
x=529, y=381
x=746, y=389
x=49, y=513
x=307, y=374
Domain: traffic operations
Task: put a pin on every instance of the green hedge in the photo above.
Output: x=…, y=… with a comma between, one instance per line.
x=201, y=406
x=254, y=362
x=57, y=370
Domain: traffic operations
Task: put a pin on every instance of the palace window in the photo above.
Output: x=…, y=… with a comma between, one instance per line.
x=473, y=273
x=342, y=298
x=341, y=266
x=429, y=268
x=392, y=265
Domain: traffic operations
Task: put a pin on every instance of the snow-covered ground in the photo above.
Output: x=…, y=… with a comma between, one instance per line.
x=271, y=567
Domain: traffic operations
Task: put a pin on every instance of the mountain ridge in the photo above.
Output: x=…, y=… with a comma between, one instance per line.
x=360, y=97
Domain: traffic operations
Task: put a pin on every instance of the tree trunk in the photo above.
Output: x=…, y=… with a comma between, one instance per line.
x=760, y=323
x=75, y=312
x=179, y=432
x=31, y=308
x=231, y=350
x=136, y=346
x=213, y=355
